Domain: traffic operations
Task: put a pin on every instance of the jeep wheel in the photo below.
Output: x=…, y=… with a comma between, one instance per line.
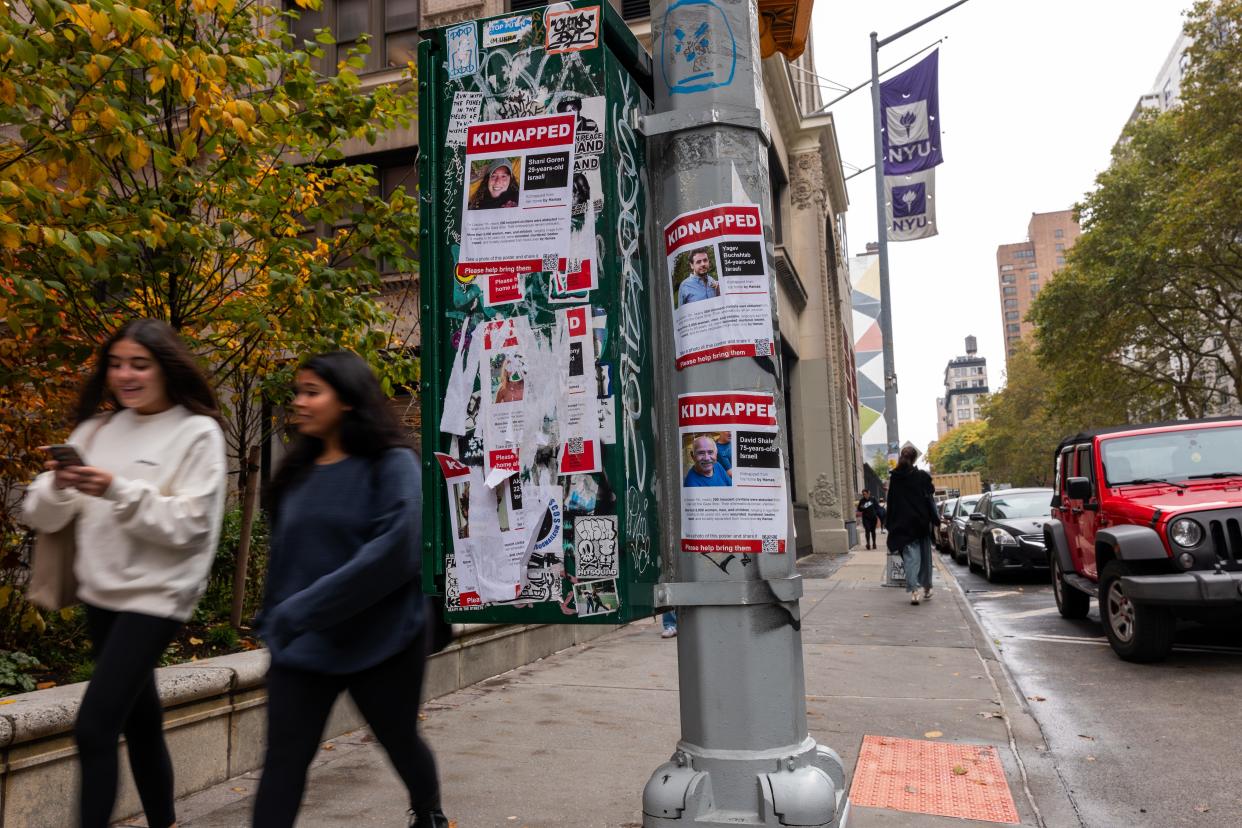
x=1071, y=603
x=1137, y=632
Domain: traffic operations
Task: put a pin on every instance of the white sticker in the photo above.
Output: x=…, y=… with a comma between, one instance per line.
x=596, y=547
x=574, y=30
x=506, y=30
x=463, y=50
x=596, y=597
x=465, y=113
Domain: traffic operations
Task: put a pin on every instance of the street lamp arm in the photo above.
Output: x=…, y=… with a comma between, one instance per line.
x=914, y=26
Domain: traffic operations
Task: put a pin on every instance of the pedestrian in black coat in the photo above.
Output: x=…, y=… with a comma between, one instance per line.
x=911, y=510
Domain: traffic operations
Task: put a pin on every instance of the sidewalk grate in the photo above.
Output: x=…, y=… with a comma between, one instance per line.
x=940, y=778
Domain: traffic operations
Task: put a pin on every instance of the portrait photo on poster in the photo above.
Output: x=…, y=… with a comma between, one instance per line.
x=702, y=461
x=495, y=182
x=695, y=276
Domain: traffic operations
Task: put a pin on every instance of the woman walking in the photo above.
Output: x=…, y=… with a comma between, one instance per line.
x=909, y=516
x=866, y=511
x=343, y=608
x=146, y=501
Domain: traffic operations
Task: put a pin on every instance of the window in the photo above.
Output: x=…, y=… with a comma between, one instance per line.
x=778, y=182
x=1032, y=275
x=1060, y=260
x=1060, y=247
x=1060, y=234
x=1010, y=291
x=1011, y=315
x=963, y=414
x=1011, y=303
x=1013, y=328
x=1035, y=289
x=1008, y=279
x=392, y=25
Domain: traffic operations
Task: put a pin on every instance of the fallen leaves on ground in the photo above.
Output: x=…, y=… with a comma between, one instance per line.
x=329, y=746
x=44, y=685
x=238, y=790
x=958, y=770
x=195, y=641
x=1037, y=698
x=932, y=734
x=1085, y=736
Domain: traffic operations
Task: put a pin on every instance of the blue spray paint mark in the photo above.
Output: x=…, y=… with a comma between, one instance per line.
x=687, y=61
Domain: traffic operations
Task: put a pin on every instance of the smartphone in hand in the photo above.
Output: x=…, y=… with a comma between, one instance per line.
x=66, y=454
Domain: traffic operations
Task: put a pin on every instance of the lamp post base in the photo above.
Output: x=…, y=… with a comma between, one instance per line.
x=802, y=786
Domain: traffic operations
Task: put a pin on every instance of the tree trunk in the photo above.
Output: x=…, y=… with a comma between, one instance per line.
x=249, y=495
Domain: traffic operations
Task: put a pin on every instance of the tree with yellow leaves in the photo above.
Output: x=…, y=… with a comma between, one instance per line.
x=174, y=160
x=184, y=160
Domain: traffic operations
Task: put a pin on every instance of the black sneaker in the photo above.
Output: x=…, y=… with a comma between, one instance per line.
x=436, y=819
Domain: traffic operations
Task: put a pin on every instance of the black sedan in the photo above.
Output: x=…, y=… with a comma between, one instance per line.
x=1006, y=531
x=957, y=526
x=944, y=522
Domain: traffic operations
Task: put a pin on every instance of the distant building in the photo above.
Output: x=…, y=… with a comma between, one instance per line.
x=965, y=384
x=1166, y=92
x=1023, y=267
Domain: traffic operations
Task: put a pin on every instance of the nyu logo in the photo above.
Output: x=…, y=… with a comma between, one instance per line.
x=909, y=200
x=909, y=132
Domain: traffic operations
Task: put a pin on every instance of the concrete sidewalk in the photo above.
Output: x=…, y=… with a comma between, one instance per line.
x=572, y=739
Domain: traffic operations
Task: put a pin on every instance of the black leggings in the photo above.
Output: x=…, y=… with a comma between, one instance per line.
x=122, y=698
x=298, y=704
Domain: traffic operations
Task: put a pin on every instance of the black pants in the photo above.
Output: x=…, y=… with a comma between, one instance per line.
x=122, y=698
x=298, y=704
x=869, y=533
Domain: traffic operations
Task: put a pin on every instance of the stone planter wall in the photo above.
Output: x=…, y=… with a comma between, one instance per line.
x=214, y=719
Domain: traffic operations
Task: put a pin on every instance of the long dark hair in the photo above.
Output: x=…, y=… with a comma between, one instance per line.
x=368, y=428
x=184, y=382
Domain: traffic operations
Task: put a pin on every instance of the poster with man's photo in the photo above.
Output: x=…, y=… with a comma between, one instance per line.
x=516, y=201
x=733, y=496
x=722, y=304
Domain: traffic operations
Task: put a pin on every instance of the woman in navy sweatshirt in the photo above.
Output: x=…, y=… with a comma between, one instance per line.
x=343, y=608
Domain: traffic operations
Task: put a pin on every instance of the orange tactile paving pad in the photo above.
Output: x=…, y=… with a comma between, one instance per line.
x=940, y=778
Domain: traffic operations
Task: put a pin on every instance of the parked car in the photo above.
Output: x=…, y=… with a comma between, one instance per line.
x=1147, y=519
x=1006, y=532
x=944, y=521
x=957, y=528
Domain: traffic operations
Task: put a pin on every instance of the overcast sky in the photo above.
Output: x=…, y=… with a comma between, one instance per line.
x=1032, y=98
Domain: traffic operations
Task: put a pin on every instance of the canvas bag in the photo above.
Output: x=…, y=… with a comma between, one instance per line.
x=52, y=584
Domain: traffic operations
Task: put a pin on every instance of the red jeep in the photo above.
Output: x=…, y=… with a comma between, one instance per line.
x=1149, y=520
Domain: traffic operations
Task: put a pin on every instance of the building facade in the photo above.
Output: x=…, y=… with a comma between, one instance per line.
x=808, y=199
x=965, y=385
x=1023, y=267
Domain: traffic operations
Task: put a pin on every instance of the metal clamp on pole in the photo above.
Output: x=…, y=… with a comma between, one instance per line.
x=728, y=593
x=662, y=123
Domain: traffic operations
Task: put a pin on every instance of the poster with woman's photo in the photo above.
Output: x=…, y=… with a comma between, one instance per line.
x=502, y=379
x=733, y=496
x=516, y=202
x=717, y=269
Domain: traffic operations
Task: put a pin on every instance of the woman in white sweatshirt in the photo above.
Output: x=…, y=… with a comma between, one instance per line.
x=146, y=503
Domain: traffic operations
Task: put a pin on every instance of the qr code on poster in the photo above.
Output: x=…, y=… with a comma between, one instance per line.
x=575, y=445
x=763, y=347
x=769, y=545
x=550, y=262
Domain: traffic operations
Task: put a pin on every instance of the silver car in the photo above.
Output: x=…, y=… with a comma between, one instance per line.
x=957, y=532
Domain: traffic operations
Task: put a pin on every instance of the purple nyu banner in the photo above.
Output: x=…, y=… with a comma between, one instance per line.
x=910, y=113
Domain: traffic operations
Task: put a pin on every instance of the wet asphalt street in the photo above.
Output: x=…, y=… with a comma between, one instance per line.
x=1136, y=744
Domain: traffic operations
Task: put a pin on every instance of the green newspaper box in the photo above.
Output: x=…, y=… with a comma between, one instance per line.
x=538, y=453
